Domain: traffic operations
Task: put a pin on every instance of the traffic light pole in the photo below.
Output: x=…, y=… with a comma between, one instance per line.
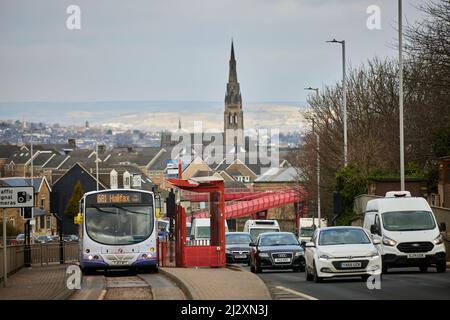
x=27, y=248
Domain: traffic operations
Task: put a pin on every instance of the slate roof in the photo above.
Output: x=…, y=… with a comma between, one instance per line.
x=22, y=182
x=7, y=150
x=55, y=161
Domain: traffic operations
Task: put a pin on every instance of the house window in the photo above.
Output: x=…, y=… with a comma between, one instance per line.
x=42, y=222
x=42, y=203
x=247, y=179
x=12, y=221
x=48, y=222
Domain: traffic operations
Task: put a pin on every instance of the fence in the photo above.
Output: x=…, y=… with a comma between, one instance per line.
x=41, y=255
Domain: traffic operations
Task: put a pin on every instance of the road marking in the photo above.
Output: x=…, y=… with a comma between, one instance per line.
x=102, y=295
x=303, y=295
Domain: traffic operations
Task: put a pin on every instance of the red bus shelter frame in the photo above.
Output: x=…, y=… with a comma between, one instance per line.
x=212, y=255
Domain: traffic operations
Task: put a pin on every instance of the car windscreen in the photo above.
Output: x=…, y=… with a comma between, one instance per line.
x=343, y=236
x=254, y=233
x=238, y=239
x=408, y=220
x=282, y=239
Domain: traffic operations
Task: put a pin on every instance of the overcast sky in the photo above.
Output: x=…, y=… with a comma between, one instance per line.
x=179, y=49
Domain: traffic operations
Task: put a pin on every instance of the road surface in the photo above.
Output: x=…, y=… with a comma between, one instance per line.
x=397, y=284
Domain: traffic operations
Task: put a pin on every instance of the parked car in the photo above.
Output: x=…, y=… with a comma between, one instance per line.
x=341, y=252
x=276, y=250
x=407, y=230
x=237, y=247
x=70, y=238
x=41, y=239
x=20, y=238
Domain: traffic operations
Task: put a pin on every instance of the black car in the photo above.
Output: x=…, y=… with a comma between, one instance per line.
x=237, y=247
x=277, y=250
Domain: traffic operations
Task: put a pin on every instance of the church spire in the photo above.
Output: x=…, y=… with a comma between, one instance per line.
x=232, y=78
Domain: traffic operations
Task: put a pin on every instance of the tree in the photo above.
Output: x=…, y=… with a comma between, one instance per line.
x=10, y=230
x=73, y=206
x=441, y=143
x=351, y=181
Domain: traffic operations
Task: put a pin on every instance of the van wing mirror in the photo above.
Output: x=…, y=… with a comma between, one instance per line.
x=252, y=244
x=374, y=229
x=376, y=241
x=443, y=227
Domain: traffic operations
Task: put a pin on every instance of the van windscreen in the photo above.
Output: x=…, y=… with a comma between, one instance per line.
x=408, y=220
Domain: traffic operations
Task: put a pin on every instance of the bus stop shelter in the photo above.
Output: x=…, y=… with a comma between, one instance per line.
x=212, y=255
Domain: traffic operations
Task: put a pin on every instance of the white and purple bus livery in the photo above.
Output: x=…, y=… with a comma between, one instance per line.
x=118, y=230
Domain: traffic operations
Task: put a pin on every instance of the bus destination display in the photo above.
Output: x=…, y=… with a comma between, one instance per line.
x=105, y=198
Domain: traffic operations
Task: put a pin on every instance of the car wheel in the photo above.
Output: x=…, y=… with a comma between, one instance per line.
x=423, y=268
x=258, y=269
x=317, y=279
x=309, y=276
x=365, y=277
x=441, y=267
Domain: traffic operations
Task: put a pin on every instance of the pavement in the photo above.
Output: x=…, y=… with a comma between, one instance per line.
x=37, y=283
x=218, y=283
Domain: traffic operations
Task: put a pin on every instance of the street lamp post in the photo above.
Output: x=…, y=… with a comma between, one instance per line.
x=318, y=162
x=344, y=95
x=400, y=95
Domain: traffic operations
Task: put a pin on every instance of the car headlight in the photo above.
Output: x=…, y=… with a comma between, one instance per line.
x=373, y=254
x=438, y=240
x=299, y=253
x=264, y=254
x=389, y=242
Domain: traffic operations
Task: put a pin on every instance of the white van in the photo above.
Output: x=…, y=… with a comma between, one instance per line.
x=256, y=227
x=408, y=231
x=201, y=229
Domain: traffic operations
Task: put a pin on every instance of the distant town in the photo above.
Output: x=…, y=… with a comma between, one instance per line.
x=18, y=132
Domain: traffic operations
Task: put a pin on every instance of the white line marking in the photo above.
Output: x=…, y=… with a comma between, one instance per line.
x=102, y=295
x=303, y=295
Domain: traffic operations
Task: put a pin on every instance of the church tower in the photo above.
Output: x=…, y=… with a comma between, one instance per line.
x=233, y=115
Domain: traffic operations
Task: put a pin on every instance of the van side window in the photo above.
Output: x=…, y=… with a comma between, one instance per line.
x=377, y=222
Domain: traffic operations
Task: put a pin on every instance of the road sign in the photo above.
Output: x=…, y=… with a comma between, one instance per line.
x=16, y=197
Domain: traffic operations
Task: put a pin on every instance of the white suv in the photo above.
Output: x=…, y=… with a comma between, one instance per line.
x=341, y=252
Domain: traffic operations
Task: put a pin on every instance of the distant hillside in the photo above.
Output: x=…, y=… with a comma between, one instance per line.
x=153, y=115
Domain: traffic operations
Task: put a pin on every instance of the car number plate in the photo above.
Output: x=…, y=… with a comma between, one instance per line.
x=351, y=265
x=240, y=256
x=415, y=255
x=282, y=260
x=119, y=262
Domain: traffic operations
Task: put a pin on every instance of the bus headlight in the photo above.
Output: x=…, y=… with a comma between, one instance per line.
x=152, y=250
x=90, y=257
